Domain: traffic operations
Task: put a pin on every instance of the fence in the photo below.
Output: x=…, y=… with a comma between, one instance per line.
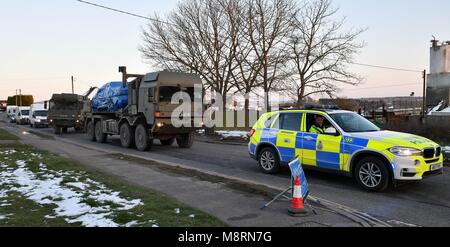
x=436, y=128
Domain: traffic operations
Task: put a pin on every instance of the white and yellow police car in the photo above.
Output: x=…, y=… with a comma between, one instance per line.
x=344, y=142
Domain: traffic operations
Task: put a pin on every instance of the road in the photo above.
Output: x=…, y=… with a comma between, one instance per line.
x=425, y=203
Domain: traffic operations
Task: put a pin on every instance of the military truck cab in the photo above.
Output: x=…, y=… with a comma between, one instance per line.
x=147, y=113
x=67, y=111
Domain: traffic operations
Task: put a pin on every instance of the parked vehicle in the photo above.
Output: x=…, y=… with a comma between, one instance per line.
x=3, y=105
x=346, y=143
x=23, y=115
x=68, y=111
x=39, y=114
x=140, y=111
x=11, y=112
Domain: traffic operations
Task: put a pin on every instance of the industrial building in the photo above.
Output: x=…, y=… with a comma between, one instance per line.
x=438, y=81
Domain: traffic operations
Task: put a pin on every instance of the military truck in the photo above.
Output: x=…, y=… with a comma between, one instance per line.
x=68, y=111
x=146, y=113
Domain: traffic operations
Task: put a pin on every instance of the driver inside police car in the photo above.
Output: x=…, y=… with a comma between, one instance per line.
x=318, y=127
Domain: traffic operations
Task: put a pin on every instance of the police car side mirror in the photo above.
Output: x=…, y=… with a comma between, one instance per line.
x=331, y=131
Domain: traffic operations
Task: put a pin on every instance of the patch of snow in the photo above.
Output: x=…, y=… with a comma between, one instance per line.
x=5, y=217
x=446, y=149
x=238, y=134
x=48, y=189
x=132, y=224
x=436, y=108
x=446, y=110
x=81, y=186
x=192, y=216
x=8, y=152
x=177, y=211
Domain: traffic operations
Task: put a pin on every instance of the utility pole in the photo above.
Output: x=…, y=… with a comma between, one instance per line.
x=17, y=95
x=424, y=110
x=20, y=93
x=73, y=91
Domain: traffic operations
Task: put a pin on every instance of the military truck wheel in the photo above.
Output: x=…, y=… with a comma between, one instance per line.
x=127, y=136
x=90, y=131
x=99, y=135
x=142, y=138
x=168, y=142
x=186, y=140
x=65, y=130
x=57, y=130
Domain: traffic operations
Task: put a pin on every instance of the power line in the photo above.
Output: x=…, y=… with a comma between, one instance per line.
x=34, y=78
x=168, y=23
x=122, y=11
x=389, y=68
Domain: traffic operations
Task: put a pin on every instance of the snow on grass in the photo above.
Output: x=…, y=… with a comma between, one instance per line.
x=47, y=187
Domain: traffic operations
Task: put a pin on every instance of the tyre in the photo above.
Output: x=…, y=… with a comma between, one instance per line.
x=57, y=130
x=65, y=130
x=142, y=138
x=186, y=140
x=169, y=142
x=126, y=136
x=268, y=161
x=90, y=131
x=372, y=174
x=99, y=135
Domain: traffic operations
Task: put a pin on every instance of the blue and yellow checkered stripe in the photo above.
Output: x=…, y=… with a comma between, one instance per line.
x=321, y=151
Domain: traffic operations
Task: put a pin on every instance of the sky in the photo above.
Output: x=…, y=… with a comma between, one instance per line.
x=45, y=42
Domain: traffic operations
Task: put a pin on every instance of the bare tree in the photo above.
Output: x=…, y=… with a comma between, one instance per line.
x=321, y=51
x=268, y=25
x=199, y=36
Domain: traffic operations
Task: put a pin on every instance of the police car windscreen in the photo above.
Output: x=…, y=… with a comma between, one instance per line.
x=352, y=123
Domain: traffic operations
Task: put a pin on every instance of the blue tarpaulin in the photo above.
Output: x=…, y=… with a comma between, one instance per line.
x=110, y=98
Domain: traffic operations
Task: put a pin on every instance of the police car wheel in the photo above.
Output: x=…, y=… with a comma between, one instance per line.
x=268, y=161
x=372, y=174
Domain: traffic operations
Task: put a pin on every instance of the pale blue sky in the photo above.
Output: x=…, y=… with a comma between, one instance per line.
x=44, y=42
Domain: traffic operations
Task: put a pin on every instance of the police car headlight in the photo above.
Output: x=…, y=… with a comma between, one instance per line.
x=403, y=151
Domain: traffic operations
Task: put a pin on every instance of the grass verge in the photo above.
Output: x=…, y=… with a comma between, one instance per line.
x=18, y=209
x=6, y=136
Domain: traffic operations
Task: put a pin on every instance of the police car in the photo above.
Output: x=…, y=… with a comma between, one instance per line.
x=343, y=142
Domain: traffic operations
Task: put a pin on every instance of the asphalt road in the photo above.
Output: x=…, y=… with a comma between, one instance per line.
x=425, y=203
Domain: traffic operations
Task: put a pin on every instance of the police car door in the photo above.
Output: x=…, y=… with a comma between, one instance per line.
x=321, y=150
x=289, y=137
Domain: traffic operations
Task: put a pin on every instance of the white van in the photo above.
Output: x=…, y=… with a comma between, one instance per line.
x=23, y=115
x=38, y=115
x=11, y=112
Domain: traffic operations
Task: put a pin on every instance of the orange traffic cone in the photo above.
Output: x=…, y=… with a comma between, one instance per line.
x=297, y=208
